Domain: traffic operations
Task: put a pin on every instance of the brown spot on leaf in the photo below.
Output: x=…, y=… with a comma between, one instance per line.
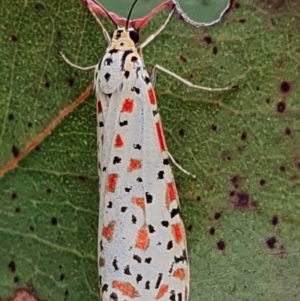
x=281, y=106
x=271, y=242
x=285, y=87
x=274, y=220
x=221, y=245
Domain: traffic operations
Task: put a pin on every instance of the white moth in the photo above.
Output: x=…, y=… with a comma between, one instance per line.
x=142, y=251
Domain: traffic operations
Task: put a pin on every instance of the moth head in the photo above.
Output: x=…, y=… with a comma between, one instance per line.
x=129, y=36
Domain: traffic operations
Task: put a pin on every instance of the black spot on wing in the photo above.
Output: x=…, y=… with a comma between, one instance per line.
x=108, y=61
x=107, y=76
x=137, y=146
x=174, y=212
x=170, y=245
x=115, y=265
x=109, y=205
x=134, y=59
x=147, y=80
x=117, y=160
x=123, y=209
x=101, y=124
x=104, y=288
x=126, y=73
x=138, y=278
x=113, y=296
x=158, y=281
x=127, y=189
x=133, y=219
x=123, y=123
x=136, y=90
x=165, y=223
x=147, y=285
x=112, y=51
x=139, y=179
x=137, y=258
x=148, y=260
x=108, y=95
x=154, y=112
x=151, y=229
x=166, y=161
x=149, y=198
x=179, y=296
x=127, y=270
x=160, y=175
x=124, y=56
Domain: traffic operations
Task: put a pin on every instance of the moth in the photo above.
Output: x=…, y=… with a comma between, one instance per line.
x=142, y=249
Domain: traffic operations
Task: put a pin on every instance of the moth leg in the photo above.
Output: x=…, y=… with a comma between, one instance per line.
x=180, y=167
x=152, y=37
x=104, y=31
x=182, y=80
x=89, y=68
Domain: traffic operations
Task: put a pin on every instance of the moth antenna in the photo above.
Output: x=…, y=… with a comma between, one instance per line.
x=108, y=15
x=130, y=12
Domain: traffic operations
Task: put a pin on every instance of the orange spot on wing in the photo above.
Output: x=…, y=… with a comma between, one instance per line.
x=151, y=96
x=179, y=273
x=160, y=136
x=142, y=241
x=99, y=107
x=177, y=234
x=126, y=288
x=161, y=291
x=108, y=231
x=118, y=141
x=111, y=182
x=139, y=202
x=134, y=164
x=171, y=194
x=127, y=105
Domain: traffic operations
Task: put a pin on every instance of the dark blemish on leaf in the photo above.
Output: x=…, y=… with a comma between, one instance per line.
x=15, y=151
x=82, y=178
x=207, y=39
x=288, y=131
x=198, y=198
x=54, y=221
x=17, y=210
x=257, y=88
x=271, y=241
x=242, y=21
x=237, y=5
x=66, y=293
x=38, y=6
x=212, y=231
x=217, y=215
x=235, y=181
x=243, y=136
x=47, y=84
x=12, y=266
x=221, y=245
x=182, y=58
x=58, y=34
x=181, y=132
x=29, y=124
x=225, y=156
x=70, y=81
x=16, y=279
x=14, y=195
x=61, y=277
x=241, y=200
x=285, y=87
x=48, y=190
x=282, y=168
x=281, y=106
x=274, y=220
x=11, y=116
x=213, y=127
x=191, y=76
x=37, y=148
x=189, y=227
x=215, y=50
x=31, y=228
x=262, y=182
x=14, y=38
x=268, y=100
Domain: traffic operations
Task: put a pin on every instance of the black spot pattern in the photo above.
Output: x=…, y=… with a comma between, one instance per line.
x=113, y=296
x=116, y=160
x=115, y=264
x=109, y=205
x=127, y=270
x=147, y=80
x=134, y=59
x=127, y=189
x=160, y=175
x=147, y=285
x=137, y=258
x=172, y=297
x=137, y=146
x=108, y=61
x=170, y=245
x=123, y=209
x=158, y=281
x=107, y=76
x=113, y=51
x=182, y=258
x=101, y=124
x=125, y=54
x=118, y=35
x=133, y=219
x=151, y=229
x=109, y=95
x=179, y=296
x=149, y=198
x=166, y=161
x=136, y=90
x=104, y=288
x=139, y=180
x=101, y=245
x=174, y=212
x=165, y=223
x=139, y=277
x=126, y=73
x=154, y=112
x=123, y=123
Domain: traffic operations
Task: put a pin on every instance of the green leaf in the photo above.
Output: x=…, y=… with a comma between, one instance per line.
x=244, y=152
